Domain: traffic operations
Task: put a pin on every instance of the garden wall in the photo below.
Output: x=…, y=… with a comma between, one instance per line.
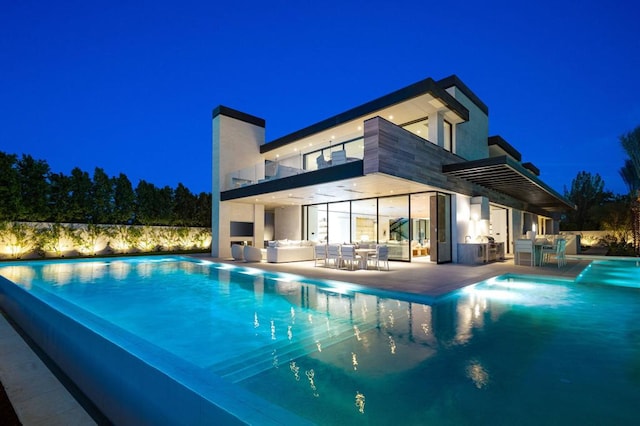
x=31, y=240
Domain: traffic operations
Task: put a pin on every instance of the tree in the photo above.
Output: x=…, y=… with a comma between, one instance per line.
x=615, y=217
x=203, y=210
x=165, y=210
x=29, y=191
x=101, y=197
x=32, y=178
x=630, y=176
x=9, y=188
x=59, y=198
x=630, y=173
x=185, y=207
x=123, y=200
x=587, y=192
x=154, y=206
x=80, y=199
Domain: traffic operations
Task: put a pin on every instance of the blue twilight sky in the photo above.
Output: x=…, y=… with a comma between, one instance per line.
x=129, y=86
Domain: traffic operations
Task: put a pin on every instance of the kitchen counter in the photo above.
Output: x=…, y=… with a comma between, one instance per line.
x=479, y=253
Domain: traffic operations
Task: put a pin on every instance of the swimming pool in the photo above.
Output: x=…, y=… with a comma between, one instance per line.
x=276, y=348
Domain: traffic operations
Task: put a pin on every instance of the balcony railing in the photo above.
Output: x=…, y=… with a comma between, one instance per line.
x=271, y=170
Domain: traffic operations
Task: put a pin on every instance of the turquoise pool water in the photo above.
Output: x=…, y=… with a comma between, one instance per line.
x=511, y=350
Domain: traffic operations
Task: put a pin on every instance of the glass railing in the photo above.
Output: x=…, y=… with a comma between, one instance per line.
x=266, y=170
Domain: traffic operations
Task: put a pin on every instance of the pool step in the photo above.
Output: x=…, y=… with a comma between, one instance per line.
x=282, y=353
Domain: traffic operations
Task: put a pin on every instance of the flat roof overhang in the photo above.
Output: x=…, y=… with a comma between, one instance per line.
x=505, y=175
x=427, y=91
x=348, y=170
x=321, y=187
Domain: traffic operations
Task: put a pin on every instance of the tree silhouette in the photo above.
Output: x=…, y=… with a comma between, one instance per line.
x=29, y=191
x=630, y=173
x=587, y=192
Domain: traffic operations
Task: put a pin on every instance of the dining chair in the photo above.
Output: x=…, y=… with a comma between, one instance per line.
x=320, y=251
x=560, y=252
x=546, y=250
x=333, y=255
x=381, y=256
x=524, y=246
x=348, y=255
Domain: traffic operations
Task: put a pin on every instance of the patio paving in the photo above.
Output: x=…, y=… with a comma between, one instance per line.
x=40, y=398
x=420, y=277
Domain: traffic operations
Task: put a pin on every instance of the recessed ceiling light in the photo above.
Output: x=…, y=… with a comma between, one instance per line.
x=277, y=155
x=359, y=127
x=333, y=136
x=391, y=117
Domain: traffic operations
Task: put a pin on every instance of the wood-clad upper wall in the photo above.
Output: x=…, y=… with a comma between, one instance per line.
x=394, y=151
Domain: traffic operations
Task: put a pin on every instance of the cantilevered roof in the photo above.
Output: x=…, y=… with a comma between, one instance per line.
x=425, y=87
x=505, y=175
x=504, y=146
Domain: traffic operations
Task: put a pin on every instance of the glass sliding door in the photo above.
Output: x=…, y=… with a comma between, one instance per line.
x=315, y=223
x=441, y=245
x=420, y=226
x=393, y=226
x=339, y=223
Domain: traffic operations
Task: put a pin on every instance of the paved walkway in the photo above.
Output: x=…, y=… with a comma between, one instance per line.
x=37, y=396
x=40, y=399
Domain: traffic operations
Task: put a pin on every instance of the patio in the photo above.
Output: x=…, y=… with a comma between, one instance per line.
x=419, y=277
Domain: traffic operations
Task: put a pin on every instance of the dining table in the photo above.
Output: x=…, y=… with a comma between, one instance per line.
x=364, y=253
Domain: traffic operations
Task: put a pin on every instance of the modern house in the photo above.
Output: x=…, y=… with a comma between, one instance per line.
x=414, y=169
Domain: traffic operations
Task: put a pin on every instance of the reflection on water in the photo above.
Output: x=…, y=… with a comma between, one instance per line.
x=477, y=373
x=505, y=343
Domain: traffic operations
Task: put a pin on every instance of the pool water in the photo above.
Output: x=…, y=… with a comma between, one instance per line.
x=511, y=350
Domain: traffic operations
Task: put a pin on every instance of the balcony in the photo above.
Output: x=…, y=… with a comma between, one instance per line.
x=267, y=170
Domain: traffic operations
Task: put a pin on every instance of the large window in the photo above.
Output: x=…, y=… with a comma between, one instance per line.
x=364, y=221
x=419, y=128
x=406, y=224
x=448, y=136
x=339, y=223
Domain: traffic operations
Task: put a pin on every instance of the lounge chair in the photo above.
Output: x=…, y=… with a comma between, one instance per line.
x=338, y=157
x=322, y=162
x=252, y=254
x=237, y=252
